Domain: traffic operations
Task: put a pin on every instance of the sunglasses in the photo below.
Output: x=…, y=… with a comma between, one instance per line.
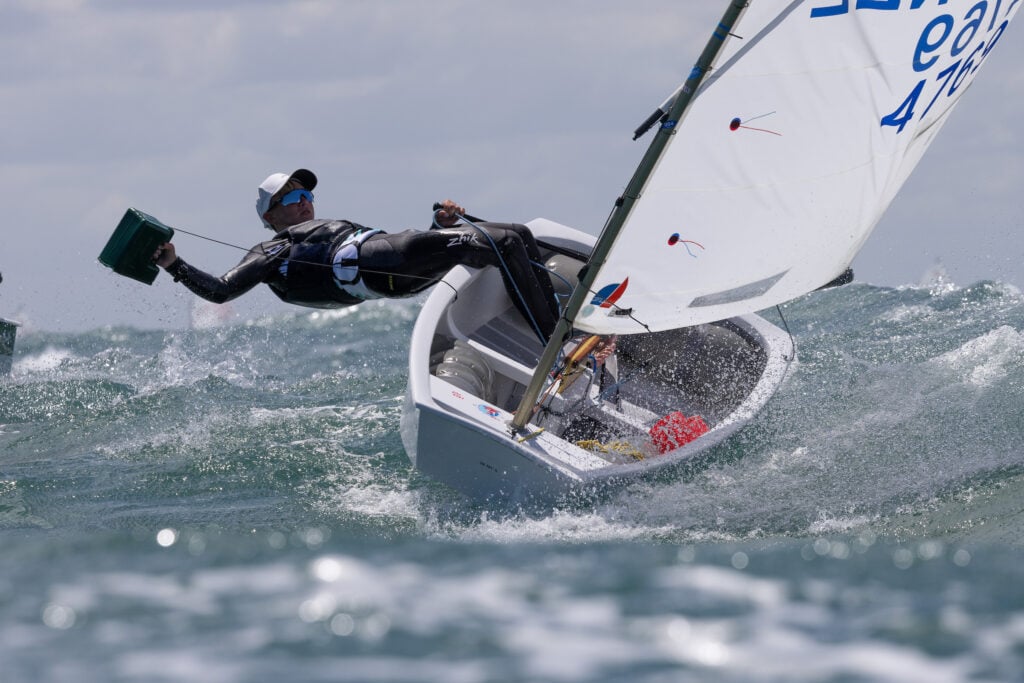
x=294, y=197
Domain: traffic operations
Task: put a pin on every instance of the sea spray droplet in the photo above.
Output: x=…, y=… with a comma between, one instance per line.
x=60, y=617
x=342, y=624
x=165, y=538
x=903, y=558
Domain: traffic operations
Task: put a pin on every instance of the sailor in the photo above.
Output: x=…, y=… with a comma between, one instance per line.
x=336, y=263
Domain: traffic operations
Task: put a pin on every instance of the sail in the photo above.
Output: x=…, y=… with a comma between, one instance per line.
x=814, y=116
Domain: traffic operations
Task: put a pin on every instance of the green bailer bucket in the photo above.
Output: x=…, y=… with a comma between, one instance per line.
x=130, y=249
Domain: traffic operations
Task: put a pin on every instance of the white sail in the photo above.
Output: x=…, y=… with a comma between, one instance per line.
x=814, y=116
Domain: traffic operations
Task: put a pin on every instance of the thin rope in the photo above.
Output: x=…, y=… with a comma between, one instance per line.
x=785, y=324
x=254, y=250
x=508, y=274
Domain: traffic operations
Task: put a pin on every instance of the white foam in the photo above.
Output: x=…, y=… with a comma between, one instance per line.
x=565, y=527
x=46, y=360
x=986, y=359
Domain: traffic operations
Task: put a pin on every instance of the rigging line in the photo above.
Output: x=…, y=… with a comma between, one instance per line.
x=216, y=241
x=469, y=220
x=508, y=273
x=558, y=297
x=254, y=250
x=626, y=312
x=536, y=330
x=785, y=324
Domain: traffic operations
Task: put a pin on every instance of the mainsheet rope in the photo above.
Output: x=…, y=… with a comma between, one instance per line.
x=469, y=220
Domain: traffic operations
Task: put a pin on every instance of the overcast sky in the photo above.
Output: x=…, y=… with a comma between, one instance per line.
x=517, y=109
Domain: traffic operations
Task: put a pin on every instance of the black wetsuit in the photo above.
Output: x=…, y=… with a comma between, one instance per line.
x=301, y=265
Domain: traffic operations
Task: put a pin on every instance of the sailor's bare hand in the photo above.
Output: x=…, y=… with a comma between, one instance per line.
x=165, y=255
x=449, y=212
x=605, y=348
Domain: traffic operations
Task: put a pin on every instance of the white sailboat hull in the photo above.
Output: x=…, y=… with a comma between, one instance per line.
x=455, y=426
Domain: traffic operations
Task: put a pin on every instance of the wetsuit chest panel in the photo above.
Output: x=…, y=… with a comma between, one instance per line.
x=308, y=276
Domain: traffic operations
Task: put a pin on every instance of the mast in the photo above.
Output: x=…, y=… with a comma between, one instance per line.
x=623, y=208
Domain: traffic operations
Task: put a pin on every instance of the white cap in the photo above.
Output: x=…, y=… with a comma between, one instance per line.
x=272, y=185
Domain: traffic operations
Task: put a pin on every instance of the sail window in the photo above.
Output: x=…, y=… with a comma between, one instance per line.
x=750, y=290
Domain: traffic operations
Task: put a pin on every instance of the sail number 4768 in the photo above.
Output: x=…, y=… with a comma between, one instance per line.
x=947, y=38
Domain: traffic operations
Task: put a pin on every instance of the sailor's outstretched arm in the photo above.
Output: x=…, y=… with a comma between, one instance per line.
x=250, y=272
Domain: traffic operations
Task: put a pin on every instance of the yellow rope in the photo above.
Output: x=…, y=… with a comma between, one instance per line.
x=530, y=436
x=621, y=447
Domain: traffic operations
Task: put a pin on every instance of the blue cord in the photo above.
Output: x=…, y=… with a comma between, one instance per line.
x=508, y=274
x=558, y=297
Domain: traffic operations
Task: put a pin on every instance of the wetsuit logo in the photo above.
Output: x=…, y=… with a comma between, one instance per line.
x=464, y=238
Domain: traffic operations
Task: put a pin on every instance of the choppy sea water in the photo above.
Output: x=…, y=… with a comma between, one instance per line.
x=233, y=503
